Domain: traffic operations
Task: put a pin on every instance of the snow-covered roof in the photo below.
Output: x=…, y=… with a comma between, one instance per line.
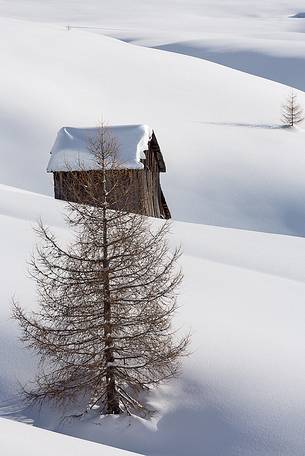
x=70, y=151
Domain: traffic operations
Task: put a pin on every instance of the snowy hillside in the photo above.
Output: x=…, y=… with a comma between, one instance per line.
x=265, y=38
x=18, y=439
x=242, y=390
x=231, y=167
x=218, y=128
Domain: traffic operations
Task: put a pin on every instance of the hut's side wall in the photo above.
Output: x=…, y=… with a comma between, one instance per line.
x=144, y=195
x=152, y=169
x=144, y=190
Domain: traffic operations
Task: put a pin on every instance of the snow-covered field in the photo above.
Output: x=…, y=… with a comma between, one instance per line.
x=265, y=38
x=242, y=390
x=16, y=439
x=229, y=164
x=218, y=128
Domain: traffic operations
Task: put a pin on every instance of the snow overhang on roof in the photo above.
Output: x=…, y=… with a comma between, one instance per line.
x=70, y=151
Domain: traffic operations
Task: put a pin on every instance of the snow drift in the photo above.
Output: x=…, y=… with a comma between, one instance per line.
x=242, y=390
x=218, y=129
x=31, y=441
x=229, y=163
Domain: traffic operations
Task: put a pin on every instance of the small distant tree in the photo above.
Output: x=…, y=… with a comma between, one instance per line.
x=292, y=111
x=103, y=327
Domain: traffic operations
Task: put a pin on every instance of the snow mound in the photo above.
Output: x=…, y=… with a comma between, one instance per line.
x=18, y=439
x=223, y=166
x=242, y=389
x=71, y=151
x=298, y=16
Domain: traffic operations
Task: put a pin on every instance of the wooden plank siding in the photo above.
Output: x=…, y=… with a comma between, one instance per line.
x=145, y=195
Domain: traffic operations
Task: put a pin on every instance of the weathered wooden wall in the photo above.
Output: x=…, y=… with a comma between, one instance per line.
x=144, y=195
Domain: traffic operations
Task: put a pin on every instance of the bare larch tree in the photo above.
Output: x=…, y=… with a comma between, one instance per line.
x=292, y=111
x=103, y=329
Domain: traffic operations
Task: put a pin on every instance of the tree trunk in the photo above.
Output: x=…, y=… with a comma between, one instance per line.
x=112, y=401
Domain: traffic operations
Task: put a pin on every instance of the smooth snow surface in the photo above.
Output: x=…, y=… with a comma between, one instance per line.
x=229, y=162
x=261, y=37
x=18, y=439
x=71, y=151
x=242, y=389
x=298, y=16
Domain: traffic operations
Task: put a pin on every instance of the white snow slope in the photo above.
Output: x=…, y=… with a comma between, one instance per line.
x=219, y=129
x=229, y=164
x=242, y=389
x=265, y=38
x=16, y=439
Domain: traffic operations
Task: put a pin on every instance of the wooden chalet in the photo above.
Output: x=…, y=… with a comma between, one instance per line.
x=142, y=163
